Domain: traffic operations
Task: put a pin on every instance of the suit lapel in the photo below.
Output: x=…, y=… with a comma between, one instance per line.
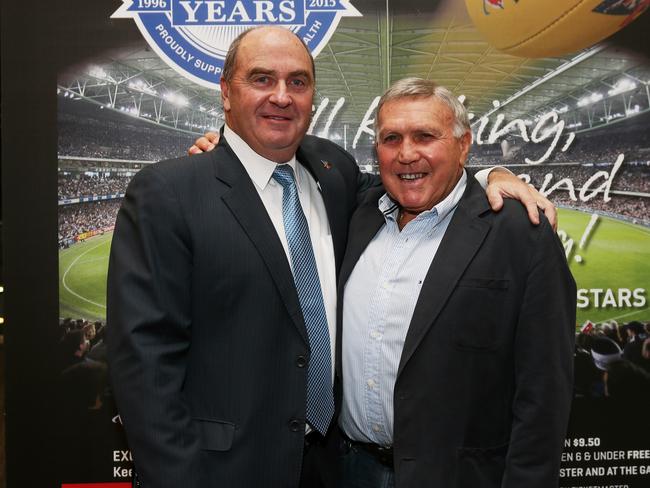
x=246, y=206
x=365, y=223
x=330, y=181
x=462, y=240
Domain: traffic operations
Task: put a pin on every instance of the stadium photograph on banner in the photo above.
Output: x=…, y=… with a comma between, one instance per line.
x=550, y=98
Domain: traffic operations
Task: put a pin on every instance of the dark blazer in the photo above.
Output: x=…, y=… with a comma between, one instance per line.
x=206, y=339
x=484, y=383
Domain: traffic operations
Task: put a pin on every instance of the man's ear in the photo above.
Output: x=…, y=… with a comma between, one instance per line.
x=225, y=98
x=465, y=142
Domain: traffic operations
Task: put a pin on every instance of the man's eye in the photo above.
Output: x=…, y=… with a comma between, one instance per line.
x=261, y=80
x=298, y=83
x=389, y=138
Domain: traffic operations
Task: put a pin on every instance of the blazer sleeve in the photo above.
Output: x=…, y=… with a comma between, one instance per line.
x=365, y=182
x=543, y=360
x=148, y=331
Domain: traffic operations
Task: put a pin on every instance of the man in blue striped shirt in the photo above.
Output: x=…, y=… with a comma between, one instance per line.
x=457, y=322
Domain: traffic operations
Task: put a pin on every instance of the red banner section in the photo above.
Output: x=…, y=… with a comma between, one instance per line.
x=96, y=485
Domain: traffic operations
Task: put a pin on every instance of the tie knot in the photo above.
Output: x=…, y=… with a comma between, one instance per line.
x=283, y=174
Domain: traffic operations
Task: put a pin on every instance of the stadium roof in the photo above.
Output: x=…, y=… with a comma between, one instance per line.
x=366, y=54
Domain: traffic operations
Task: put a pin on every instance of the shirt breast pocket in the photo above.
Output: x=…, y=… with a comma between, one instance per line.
x=480, y=304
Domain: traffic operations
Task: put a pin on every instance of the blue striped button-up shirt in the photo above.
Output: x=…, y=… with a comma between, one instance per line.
x=378, y=304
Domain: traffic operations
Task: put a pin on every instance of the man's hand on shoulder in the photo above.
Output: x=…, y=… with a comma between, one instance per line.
x=503, y=184
x=207, y=142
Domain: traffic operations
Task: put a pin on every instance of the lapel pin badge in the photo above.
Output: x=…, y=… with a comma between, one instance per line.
x=326, y=164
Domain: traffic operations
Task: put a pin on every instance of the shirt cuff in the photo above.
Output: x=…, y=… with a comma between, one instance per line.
x=482, y=176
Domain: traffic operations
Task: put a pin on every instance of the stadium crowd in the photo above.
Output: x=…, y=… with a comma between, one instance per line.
x=613, y=360
x=82, y=185
x=633, y=209
x=88, y=132
x=79, y=218
x=83, y=404
x=600, y=145
x=629, y=177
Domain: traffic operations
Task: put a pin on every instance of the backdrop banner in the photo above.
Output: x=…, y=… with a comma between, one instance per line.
x=575, y=126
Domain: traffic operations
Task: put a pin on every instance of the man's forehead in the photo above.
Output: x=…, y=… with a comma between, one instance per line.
x=256, y=52
x=414, y=113
x=260, y=40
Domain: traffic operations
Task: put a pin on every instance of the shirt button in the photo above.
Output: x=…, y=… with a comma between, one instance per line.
x=371, y=383
x=376, y=427
x=375, y=335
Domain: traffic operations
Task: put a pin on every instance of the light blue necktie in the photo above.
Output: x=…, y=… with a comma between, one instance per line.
x=320, y=396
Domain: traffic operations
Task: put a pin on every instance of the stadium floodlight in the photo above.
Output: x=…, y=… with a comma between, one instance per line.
x=589, y=99
x=99, y=73
x=142, y=86
x=623, y=85
x=176, y=99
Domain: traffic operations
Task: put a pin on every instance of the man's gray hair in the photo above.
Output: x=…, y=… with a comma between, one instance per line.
x=230, y=61
x=421, y=88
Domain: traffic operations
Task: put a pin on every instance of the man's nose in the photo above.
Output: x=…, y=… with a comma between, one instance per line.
x=280, y=95
x=407, y=152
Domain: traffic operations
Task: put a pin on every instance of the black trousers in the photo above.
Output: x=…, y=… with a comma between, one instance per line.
x=320, y=462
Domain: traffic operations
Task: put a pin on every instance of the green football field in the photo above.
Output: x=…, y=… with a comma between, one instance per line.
x=82, y=278
x=617, y=256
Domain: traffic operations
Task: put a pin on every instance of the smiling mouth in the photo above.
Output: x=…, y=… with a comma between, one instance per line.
x=276, y=117
x=411, y=176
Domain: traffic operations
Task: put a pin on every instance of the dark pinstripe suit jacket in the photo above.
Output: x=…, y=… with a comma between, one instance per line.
x=204, y=325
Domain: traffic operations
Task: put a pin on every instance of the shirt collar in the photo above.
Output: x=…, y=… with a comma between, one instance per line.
x=390, y=208
x=258, y=167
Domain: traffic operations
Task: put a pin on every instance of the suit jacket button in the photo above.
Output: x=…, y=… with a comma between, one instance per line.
x=301, y=361
x=295, y=425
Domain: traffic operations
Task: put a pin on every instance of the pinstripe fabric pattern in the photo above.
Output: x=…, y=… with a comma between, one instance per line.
x=320, y=396
x=378, y=304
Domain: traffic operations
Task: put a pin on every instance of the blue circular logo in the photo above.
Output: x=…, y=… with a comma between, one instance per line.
x=193, y=36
